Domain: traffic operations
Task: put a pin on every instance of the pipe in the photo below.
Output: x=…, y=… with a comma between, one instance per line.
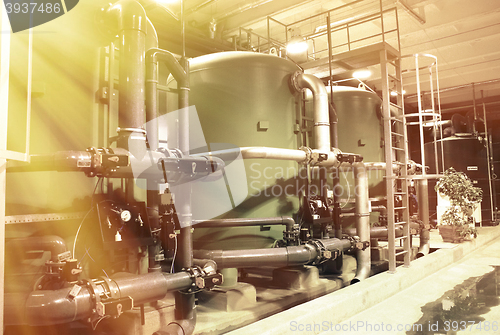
x=48, y=307
x=55, y=244
x=423, y=214
x=245, y=222
x=132, y=21
x=273, y=257
x=321, y=107
x=375, y=232
x=362, y=210
x=153, y=191
x=304, y=155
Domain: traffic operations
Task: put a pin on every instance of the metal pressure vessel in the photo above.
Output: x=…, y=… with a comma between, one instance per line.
x=243, y=99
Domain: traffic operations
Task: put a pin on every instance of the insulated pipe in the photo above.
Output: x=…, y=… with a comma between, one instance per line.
x=245, y=222
x=48, y=307
x=273, y=257
x=132, y=21
x=55, y=244
x=362, y=211
x=423, y=214
x=298, y=155
x=321, y=107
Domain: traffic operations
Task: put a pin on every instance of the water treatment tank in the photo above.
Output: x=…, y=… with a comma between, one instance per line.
x=244, y=99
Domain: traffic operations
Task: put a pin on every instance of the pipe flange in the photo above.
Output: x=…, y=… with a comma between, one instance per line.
x=323, y=253
x=131, y=130
x=309, y=155
x=294, y=83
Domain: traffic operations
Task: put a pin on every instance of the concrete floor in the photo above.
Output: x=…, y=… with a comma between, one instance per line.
x=389, y=303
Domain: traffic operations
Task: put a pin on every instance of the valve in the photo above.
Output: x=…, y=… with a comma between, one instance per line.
x=349, y=158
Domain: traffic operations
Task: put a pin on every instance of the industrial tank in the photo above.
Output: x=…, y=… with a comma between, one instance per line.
x=244, y=99
x=360, y=131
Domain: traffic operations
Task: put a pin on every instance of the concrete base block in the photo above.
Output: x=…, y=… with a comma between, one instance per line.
x=131, y=322
x=296, y=278
x=239, y=297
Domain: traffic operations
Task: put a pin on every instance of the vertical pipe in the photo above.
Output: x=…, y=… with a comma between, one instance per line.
x=4, y=109
x=423, y=214
x=420, y=117
x=184, y=302
x=474, y=105
x=488, y=157
x=321, y=109
x=362, y=211
x=153, y=192
x=440, y=116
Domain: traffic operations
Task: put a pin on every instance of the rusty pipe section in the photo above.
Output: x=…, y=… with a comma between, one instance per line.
x=55, y=244
x=48, y=307
x=309, y=253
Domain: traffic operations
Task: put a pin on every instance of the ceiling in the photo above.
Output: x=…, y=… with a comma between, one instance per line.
x=463, y=35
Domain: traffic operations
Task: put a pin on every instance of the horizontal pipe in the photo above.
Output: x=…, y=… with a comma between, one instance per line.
x=272, y=257
x=245, y=222
x=297, y=155
x=55, y=244
x=48, y=307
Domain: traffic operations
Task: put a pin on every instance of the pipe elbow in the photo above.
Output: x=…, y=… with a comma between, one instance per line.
x=304, y=80
x=289, y=222
x=128, y=15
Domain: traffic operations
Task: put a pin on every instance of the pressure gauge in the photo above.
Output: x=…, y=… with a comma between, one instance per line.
x=125, y=215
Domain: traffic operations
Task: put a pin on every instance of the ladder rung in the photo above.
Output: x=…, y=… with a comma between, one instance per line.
x=396, y=106
x=400, y=238
x=400, y=193
x=399, y=208
x=400, y=149
x=401, y=252
x=398, y=134
x=400, y=223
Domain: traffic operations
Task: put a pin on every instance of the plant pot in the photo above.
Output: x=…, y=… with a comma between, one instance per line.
x=451, y=233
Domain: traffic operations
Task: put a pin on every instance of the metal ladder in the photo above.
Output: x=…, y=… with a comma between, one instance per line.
x=396, y=158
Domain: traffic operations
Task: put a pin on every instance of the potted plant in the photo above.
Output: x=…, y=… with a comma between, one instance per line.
x=457, y=222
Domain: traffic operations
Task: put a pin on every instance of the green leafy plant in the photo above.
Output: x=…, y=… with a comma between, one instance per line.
x=463, y=196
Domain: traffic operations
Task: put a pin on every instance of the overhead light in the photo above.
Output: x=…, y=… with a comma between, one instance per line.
x=395, y=93
x=297, y=45
x=362, y=74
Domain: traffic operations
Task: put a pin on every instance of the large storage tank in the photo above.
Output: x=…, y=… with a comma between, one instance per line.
x=244, y=99
x=360, y=131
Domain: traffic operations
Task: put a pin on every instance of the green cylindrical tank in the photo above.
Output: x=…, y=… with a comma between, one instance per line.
x=360, y=131
x=244, y=99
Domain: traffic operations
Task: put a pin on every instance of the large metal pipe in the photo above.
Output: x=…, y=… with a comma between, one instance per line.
x=55, y=244
x=48, y=307
x=423, y=214
x=321, y=108
x=245, y=222
x=362, y=211
x=131, y=19
x=303, y=156
x=273, y=257
x=153, y=191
